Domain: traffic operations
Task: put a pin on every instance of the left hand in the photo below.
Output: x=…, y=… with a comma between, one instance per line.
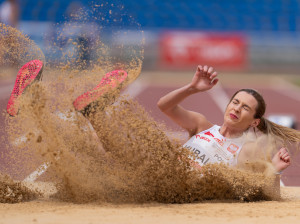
x=281, y=160
x=204, y=79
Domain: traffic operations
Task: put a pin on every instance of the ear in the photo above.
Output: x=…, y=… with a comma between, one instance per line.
x=255, y=123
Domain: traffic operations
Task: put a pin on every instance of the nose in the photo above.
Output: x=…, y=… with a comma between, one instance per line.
x=237, y=108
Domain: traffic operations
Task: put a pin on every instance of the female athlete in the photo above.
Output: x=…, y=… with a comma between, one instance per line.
x=226, y=143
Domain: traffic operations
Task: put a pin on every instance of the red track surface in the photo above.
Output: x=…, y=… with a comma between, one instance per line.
x=277, y=103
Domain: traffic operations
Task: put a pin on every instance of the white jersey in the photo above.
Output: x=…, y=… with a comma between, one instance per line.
x=210, y=146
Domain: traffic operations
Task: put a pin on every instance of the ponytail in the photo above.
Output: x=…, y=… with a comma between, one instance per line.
x=284, y=133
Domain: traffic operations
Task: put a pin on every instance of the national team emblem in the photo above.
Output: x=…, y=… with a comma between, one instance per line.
x=232, y=148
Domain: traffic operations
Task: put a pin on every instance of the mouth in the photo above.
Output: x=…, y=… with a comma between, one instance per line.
x=233, y=116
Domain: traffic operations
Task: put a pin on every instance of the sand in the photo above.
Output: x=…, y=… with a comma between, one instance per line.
x=52, y=211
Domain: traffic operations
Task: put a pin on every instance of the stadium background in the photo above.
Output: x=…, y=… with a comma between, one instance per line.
x=267, y=30
x=250, y=37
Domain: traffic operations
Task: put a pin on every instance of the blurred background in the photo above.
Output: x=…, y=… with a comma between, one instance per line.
x=248, y=35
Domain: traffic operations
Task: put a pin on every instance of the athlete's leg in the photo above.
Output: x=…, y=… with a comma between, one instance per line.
x=83, y=104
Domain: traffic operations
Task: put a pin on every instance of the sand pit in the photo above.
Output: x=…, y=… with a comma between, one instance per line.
x=52, y=211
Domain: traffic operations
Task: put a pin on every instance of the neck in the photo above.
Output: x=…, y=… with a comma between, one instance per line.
x=229, y=132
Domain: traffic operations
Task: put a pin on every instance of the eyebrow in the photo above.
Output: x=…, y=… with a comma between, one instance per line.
x=246, y=105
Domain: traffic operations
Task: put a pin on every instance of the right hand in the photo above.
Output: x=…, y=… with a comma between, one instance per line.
x=281, y=160
x=204, y=78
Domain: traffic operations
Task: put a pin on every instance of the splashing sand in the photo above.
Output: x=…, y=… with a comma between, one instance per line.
x=14, y=192
x=130, y=159
x=140, y=163
x=15, y=50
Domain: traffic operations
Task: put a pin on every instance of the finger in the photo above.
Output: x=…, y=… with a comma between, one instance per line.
x=284, y=157
x=287, y=160
x=205, y=68
x=283, y=149
x=214, y=75
x=198, y=72
x=210, y=70
x=284, y=153
x=278, y=154
x=199, y=68
x=215, y=81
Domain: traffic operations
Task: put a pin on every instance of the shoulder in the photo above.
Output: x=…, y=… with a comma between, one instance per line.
x=202, y=124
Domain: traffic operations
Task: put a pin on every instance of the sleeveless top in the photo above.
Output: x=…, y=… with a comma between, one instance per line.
x=210, y=146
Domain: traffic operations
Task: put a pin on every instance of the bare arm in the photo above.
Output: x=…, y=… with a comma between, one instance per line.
x=203, y=80
x=281, y=160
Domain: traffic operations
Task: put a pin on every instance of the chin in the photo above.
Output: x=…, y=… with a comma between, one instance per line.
x=228, y=119
x=230, y=123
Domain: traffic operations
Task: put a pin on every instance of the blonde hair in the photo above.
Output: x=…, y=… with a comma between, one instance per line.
x=286, y=134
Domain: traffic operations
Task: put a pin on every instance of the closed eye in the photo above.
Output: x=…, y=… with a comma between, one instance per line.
x=246, y=107
x=235, y=101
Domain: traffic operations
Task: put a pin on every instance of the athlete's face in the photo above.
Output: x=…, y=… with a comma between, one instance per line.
x=240, y=112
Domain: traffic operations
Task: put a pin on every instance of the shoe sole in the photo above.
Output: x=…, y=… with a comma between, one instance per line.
x=112, y=80
x=33, y=70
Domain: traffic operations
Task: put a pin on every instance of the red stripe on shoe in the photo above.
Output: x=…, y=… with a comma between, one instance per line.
x=29, y=73
x=111, y=80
